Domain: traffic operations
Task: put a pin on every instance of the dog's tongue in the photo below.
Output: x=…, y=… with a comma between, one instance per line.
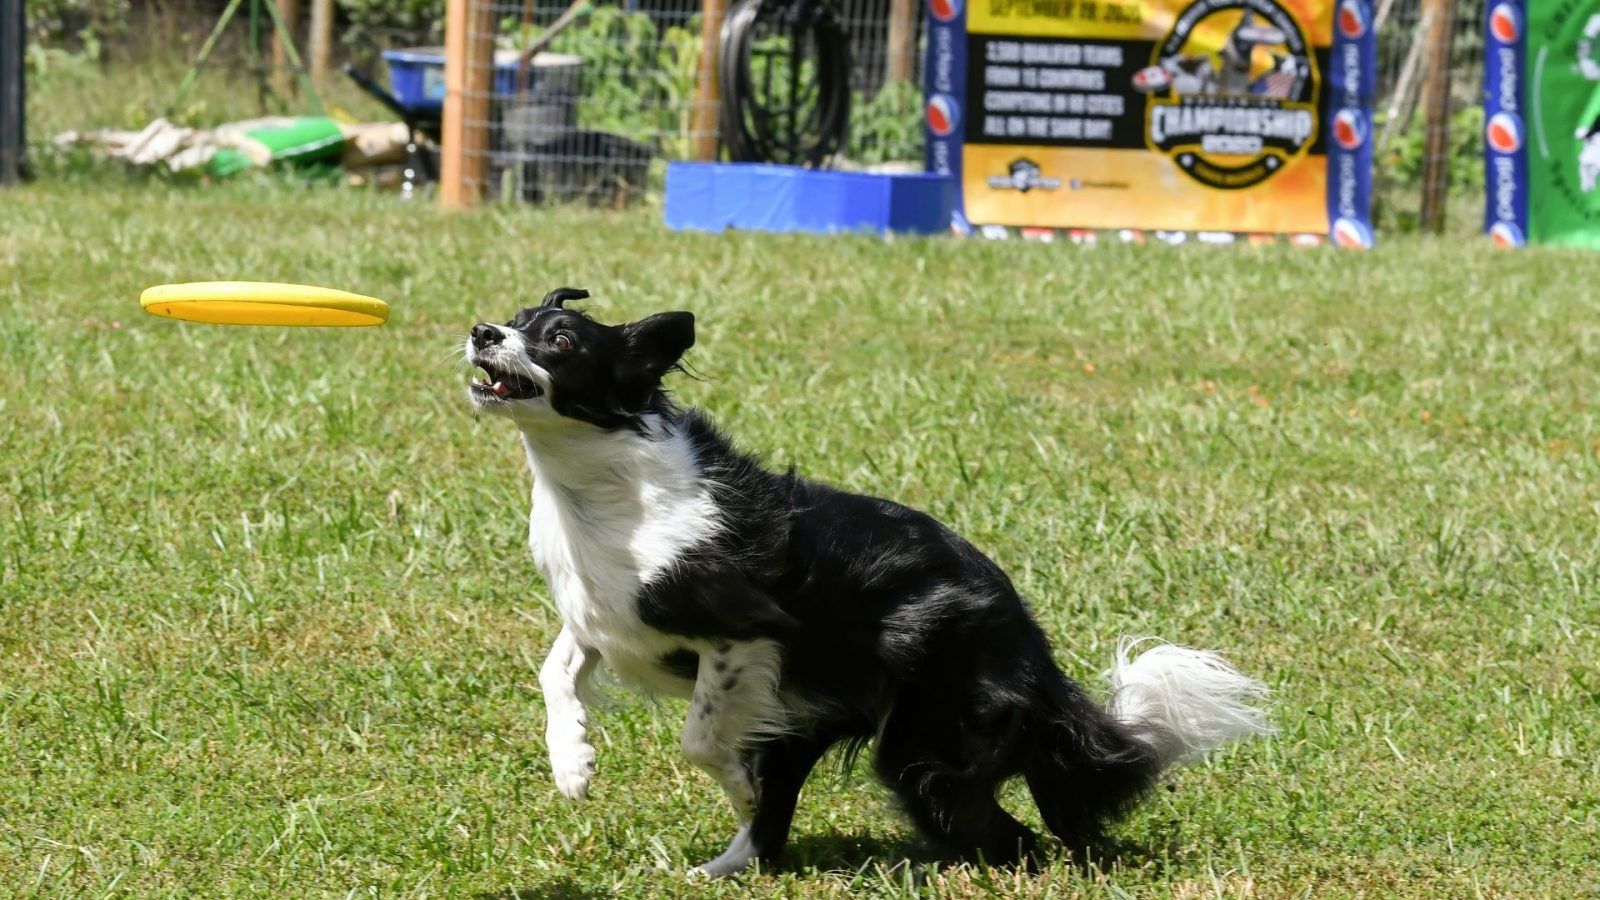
x=500, y=389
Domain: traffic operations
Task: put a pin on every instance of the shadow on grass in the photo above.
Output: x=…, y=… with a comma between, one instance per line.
x=813, y=854
x=856, y=853
x=851, y=852
x=560, y=887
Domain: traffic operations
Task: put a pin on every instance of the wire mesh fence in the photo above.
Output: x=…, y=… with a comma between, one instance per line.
x=614, y=91
x=1404, y=151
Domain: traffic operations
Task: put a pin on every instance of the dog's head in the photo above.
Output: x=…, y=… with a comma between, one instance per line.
x=553, y=361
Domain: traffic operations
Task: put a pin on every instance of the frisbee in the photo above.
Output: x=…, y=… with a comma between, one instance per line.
x=262, y=303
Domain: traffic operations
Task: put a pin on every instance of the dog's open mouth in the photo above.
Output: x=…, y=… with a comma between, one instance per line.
x=504, y=385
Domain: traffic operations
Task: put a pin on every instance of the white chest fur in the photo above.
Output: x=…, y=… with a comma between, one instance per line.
x=611, y=511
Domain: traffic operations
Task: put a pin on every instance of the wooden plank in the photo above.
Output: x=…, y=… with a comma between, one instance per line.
x=289, y=12
x=902, y=48
x=707, y=100
x=1436, y=112
x=321, y=43
x=468, y=72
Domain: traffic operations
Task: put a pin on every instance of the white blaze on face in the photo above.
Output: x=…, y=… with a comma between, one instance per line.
x=510, y=355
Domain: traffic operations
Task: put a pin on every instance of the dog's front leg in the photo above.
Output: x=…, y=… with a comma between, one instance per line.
x=735, y=701
x=564, y=678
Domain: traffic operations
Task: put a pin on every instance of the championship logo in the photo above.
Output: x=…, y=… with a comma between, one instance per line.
x=1232, y=92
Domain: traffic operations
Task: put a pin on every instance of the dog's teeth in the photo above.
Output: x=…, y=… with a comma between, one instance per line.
x=500, y=388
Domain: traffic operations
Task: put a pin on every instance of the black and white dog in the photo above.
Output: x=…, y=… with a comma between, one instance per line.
x=797, y=616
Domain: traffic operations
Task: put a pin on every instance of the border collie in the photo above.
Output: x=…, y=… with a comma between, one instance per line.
x=796, y=616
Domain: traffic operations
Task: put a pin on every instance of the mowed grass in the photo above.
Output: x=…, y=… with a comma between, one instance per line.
x=268, y=625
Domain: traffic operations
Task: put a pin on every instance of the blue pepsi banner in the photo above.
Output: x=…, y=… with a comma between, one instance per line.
x=1213, y=117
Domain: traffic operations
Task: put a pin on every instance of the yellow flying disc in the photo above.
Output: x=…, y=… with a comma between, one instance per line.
x=262, y=303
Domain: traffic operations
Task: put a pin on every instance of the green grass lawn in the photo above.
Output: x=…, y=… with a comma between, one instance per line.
x=268, y=625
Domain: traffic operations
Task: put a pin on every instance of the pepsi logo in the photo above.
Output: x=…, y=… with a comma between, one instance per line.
x=1505, y=234
x=1505, y=23
x=1349, y=130
x=1352, y=19
x=1504, y=133
x=945, y=10
x=1351, y=235
x=944, y=114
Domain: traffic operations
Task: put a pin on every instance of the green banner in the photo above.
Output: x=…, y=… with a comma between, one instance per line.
x=1563, y=59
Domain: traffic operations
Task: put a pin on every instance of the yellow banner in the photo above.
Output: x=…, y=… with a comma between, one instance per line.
x=1123, y=188
x=1119, y=19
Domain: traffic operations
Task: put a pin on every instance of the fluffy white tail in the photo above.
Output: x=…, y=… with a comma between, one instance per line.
x=1185, y=702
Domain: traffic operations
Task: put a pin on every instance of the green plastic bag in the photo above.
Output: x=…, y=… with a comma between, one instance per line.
x=308, y=139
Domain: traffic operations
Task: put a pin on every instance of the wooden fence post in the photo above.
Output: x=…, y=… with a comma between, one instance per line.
x=289, y=12
x=1436, y=114
x=902, y=49
x=321, y=43
x=468, y=73
x=707, y=99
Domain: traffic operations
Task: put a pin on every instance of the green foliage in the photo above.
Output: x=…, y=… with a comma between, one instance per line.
x=637, y=80
x=887, y=127
x=65, y=33
x=1402, y=161
x=393, y=22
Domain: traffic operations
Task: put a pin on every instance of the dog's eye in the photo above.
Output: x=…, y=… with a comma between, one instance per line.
x=562, y=342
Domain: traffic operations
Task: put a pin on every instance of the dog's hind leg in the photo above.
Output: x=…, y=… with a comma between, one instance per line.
x=734, y=706
x=946, y=773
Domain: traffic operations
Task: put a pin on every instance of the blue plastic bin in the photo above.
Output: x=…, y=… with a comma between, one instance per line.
x=755, y=197
x=416, y=75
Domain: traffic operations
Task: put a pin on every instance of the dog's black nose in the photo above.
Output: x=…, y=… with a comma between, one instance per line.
x=484, y=334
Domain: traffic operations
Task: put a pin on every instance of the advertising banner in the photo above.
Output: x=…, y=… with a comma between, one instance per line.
x=1542, y=122
x=1249, y=116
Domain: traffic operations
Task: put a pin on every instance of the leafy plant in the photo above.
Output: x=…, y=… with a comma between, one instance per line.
x=393, y=21
x=637, y=79
x=887, y=127
x=65, y=33
x=1403, y=159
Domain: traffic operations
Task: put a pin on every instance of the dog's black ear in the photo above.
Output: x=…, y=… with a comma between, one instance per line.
x=652, y=347
x=659, y=341
x=561, y=295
